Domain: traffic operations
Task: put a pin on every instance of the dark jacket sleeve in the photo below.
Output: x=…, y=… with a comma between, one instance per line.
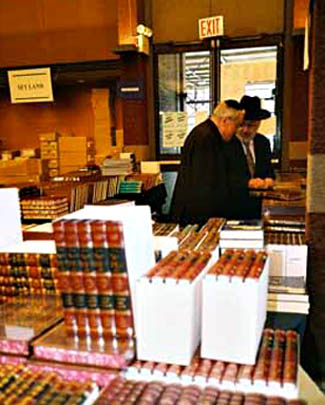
x=263, y=157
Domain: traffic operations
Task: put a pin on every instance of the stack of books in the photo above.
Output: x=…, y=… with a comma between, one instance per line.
x=23, y=273
x=44, y=207
x=116, y=167
x=130, y=187
x=93, y=278
x=242, y=234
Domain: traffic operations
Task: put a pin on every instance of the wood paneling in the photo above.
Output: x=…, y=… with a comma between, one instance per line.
x=178, y=20
x=55, y=31
x=299, y=112
x=300, y=13
x=70, y=114
x=127, y=22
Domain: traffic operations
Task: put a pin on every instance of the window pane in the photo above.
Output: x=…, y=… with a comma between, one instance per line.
x=252, y=71
x=184, y=96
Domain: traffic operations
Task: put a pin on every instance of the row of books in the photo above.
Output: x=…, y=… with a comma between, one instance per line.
x=20, y=385
x=44, y=207
x=122, y=391
x=25, y=274
x=276, y=362
x=93, y=278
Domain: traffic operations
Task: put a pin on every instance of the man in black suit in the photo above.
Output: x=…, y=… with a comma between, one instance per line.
x=201, y=189
x=249, y=161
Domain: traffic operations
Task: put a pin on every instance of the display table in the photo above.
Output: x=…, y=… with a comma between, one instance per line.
x=55, y=345
x=308, y=390
x=24, y=320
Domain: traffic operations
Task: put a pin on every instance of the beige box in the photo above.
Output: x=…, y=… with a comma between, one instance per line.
x=49, y=136
x=73, y=143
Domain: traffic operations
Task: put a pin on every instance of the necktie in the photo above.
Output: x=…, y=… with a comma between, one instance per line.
x=250, y=159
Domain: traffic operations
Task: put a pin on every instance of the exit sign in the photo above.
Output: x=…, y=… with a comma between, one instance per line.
x=211, y=27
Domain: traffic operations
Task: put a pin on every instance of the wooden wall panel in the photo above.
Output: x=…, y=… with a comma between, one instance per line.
x=300, y=86
x=300, y=13
x=53, y=31
x=70, y=114
x=178, y=20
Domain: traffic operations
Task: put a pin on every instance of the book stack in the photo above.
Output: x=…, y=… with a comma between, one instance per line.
x=148, y=180
x=162, y=229
x=234, y=296
x=49, y=145
x=130, y=187
x=75, y=152
x=246, y=234
x=44, y=207
x=93, y=278
x=122, y=391
x=288, y=253
x=274, y=373
x=24, y=273
x=116, y=167
x=21, y=385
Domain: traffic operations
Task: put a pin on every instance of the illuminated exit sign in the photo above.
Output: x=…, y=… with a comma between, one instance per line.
x=211, y=27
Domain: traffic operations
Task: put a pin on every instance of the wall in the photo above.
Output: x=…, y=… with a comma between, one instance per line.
x=52, y=31
x=178, y=20
x=70, y=114
x=243, y=73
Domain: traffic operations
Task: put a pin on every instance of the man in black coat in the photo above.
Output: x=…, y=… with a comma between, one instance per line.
x=201, y=189
x=249, y=161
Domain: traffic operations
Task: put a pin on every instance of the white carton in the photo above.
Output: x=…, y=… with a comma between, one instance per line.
x=296, y=263
x=277, y=256
x=10, y=222
x=233, y=317
x=168, y=319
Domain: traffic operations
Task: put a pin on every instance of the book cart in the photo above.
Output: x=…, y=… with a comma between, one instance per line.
x=118, y=327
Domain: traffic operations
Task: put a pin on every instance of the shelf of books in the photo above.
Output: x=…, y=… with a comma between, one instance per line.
x=115, y=310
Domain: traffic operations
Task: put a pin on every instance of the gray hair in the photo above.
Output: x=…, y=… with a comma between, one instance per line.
x=222, y=110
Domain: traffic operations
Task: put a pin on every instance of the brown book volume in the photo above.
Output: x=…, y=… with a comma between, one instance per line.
x=93, y=278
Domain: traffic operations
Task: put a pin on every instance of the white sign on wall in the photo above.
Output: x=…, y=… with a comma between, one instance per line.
x=174, y=129
x=30, y=85
x=211, y=27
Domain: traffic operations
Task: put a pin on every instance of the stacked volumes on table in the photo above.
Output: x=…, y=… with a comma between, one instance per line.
x=28, y=268
x=93, y=278
x=247, y=234
x=98, y=263
x=22, y=385
x=288, y=261
x=275, y=371
x=44, y=207
x=122, y=391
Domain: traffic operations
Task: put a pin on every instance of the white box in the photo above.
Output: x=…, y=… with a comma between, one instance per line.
x=233, y=317
x=168, y=319
x=10, y=222
x=150, y=167
x=296, y=261
x=165, y=244
x=278, y=258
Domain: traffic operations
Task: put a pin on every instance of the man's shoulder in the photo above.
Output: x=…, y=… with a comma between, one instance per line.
x=261, y=138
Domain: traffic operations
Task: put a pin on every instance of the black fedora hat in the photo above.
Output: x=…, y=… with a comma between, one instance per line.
x=253, y=110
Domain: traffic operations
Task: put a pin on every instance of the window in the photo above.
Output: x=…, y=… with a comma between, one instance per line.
x=183, y=96
x=190, y=82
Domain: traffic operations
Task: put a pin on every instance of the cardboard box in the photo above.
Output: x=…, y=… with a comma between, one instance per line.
x=73, y=143
x=233, y=317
